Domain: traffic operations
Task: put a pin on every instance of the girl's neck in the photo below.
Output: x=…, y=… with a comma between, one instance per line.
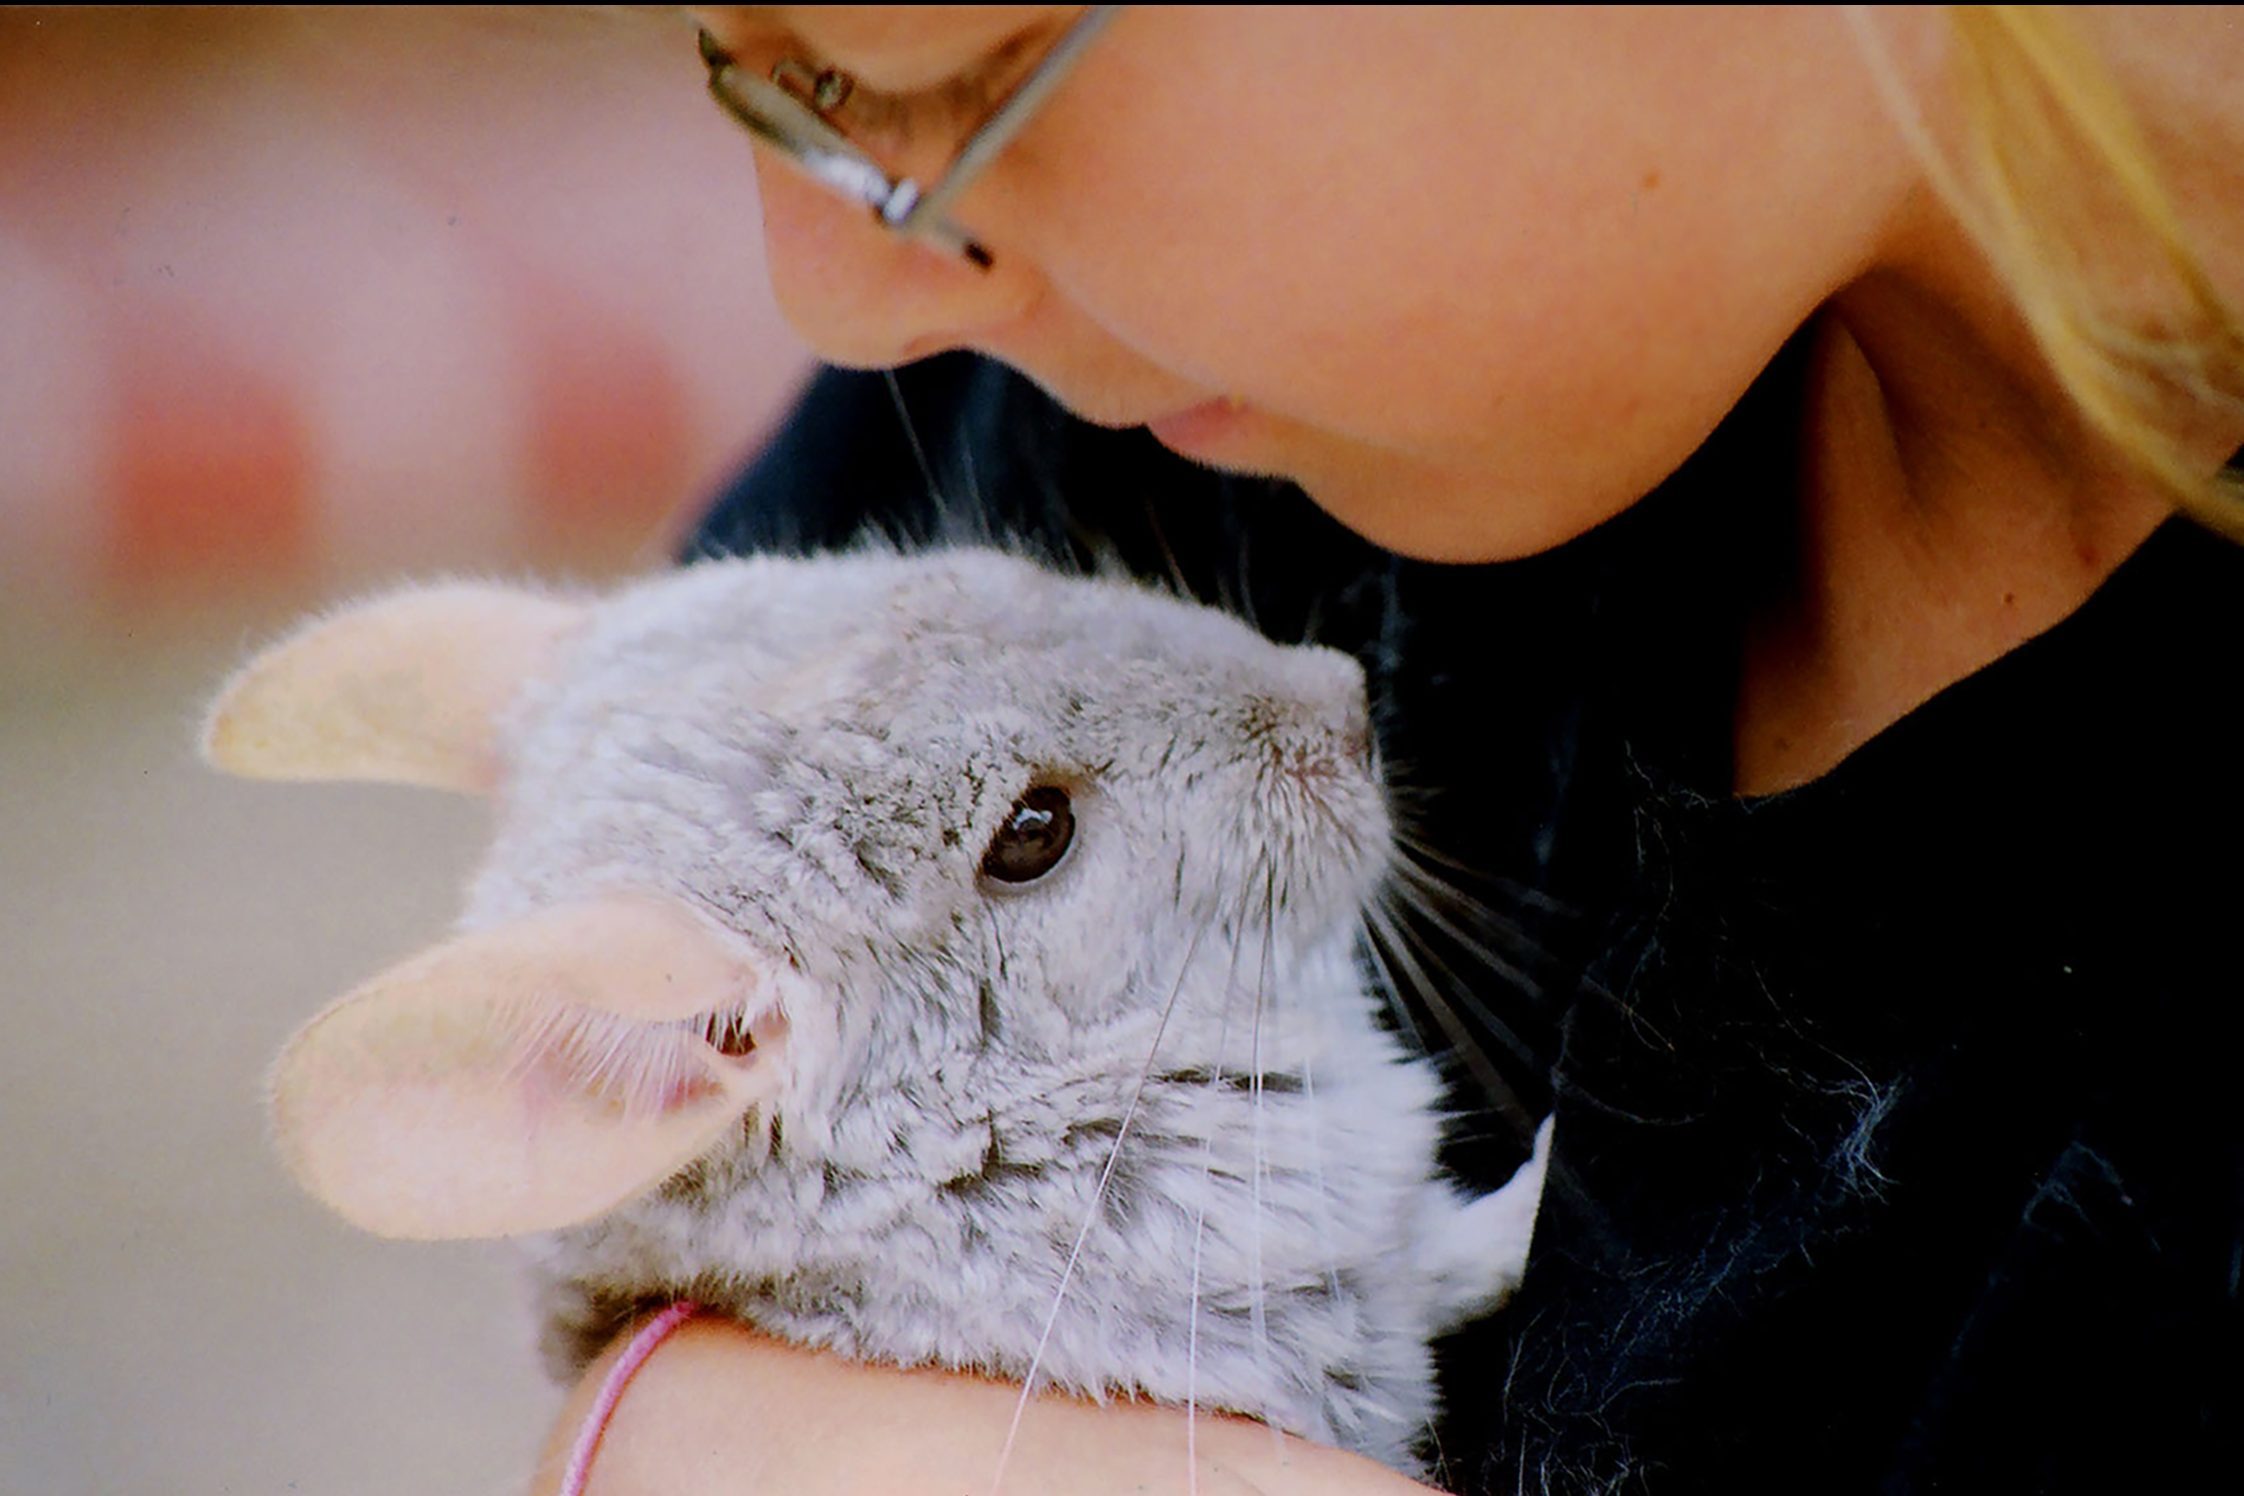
x=1951, y=505
x=1945, y=518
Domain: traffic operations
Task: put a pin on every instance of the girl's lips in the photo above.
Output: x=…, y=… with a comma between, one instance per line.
x=1197, y=428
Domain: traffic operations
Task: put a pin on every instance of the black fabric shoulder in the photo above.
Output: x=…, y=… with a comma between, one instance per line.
x=1894, y=1159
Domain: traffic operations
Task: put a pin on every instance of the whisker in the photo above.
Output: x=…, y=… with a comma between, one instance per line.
x=1160, y=531
x=964, y=446
x=1317, y=1174
x=1192, y=1333
x=1426, y=851
x=1313, y=627
x=1373, y=964
x=1242, y=581
x=1425, y=857
x=1401, y=954
x=1463, y=990
x=1423, y=907
x=1394, y=950
x=1257, y=1303
x=919, y=453
x=1437, y=876
x=1091, y=1216
x=1200, y=1219
x=1441, y=1456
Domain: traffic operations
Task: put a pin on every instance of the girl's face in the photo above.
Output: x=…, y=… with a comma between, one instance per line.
x=1476, y=279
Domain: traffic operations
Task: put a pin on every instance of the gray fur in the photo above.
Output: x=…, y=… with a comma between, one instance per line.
x=815, y=753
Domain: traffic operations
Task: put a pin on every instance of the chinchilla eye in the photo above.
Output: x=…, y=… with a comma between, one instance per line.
x=1033, y=839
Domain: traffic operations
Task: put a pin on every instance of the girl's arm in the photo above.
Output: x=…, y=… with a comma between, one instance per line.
x=721, y=1411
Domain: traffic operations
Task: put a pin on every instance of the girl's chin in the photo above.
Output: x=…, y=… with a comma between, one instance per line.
x=1208, y=432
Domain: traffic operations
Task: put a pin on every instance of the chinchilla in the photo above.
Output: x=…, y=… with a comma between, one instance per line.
x=930, y=958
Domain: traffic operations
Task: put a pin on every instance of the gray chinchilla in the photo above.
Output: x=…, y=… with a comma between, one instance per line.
x=872, y=945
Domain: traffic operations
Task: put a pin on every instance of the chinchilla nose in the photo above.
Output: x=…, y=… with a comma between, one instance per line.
x=1360, y=745
x=1322, y=698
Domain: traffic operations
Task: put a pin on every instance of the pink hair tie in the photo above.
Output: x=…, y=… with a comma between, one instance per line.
x=643, y=1343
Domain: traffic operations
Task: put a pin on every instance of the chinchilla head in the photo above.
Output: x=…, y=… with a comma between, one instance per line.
x=971, y=804
x=879, y=849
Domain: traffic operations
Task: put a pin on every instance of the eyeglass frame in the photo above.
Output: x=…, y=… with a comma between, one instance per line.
x=814, y=145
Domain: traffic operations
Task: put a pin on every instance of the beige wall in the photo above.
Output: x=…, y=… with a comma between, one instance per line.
x=291, y=301
x=296, y=297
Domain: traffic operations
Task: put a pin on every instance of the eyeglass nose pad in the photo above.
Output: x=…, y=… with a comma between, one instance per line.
x=825, y=90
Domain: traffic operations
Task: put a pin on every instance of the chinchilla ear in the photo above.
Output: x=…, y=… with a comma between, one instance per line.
x=407, y=689
x=532, y=1075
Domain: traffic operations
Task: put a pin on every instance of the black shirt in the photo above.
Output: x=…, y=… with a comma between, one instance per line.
x=1897, y=1145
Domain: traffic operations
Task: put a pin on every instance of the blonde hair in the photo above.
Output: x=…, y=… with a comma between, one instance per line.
x=2055, y=179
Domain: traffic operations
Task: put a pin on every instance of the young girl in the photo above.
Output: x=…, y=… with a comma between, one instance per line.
x=1835, y=405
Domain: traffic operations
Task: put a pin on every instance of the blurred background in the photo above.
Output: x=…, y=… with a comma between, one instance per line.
x=294, y=302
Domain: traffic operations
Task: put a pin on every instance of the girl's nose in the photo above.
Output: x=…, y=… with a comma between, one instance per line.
x=866, y=297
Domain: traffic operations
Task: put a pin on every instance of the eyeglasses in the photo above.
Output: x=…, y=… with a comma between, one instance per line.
x=777, y=112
